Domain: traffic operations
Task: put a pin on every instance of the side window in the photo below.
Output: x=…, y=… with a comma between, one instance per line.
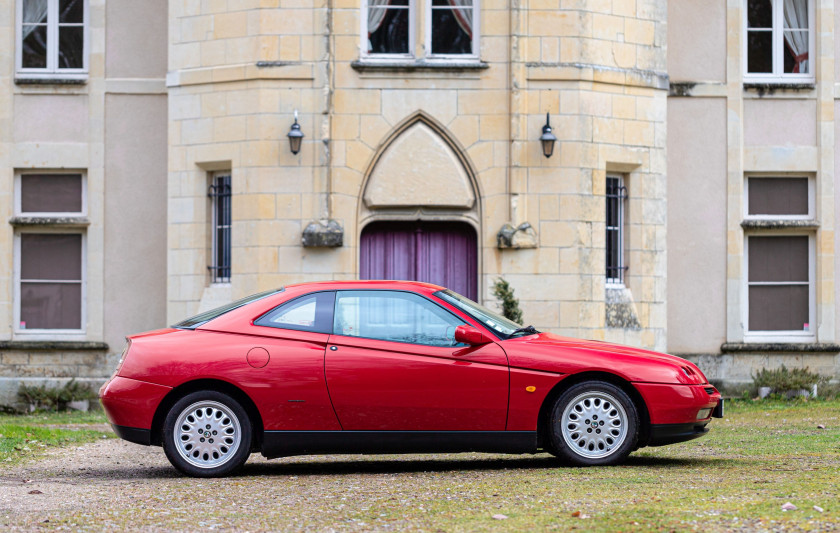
x=394, y=316
x=312, y=312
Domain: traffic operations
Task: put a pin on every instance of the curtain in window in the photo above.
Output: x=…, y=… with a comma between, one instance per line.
x=796, y=17
x=463, y=16
x=34, y=12
x=376, y=16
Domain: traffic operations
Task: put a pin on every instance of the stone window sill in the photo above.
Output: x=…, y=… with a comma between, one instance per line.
x=789, y=347
x=419, y=65
x=53, y=222
x=24, y=80
x=52, y=345
x=780, y=224
x=768, y=88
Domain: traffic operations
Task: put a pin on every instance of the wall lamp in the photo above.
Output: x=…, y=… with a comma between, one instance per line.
x=295, y=136
x=547, y=138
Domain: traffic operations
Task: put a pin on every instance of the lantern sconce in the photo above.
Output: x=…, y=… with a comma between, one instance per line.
x=547, y=138
x=295, y=136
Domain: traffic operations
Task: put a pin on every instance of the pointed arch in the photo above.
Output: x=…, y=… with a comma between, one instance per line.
x=441, y=176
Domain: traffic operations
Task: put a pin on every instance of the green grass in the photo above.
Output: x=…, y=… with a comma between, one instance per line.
x=23, y=437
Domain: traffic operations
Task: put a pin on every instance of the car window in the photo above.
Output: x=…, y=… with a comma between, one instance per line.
x=312, y=312
x=203, y=318
x=394, y=316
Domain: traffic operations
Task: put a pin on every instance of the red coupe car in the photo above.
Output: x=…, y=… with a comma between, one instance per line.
x=392, y=367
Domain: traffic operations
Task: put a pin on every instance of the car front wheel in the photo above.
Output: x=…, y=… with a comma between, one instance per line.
x=207, y=434
x=594, y=423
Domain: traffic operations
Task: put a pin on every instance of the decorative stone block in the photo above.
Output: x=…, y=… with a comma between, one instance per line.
x=323, y=234
x=522, y=236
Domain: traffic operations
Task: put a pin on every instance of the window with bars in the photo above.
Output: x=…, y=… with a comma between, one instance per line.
x=616, y=197
x=450, y=28
x=52, y=37
x=220, y=196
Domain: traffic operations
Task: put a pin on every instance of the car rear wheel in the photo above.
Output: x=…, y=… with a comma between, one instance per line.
x=594, y=423
x=207, y=434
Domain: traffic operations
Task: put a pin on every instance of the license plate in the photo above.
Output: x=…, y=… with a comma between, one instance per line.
x=718, y=411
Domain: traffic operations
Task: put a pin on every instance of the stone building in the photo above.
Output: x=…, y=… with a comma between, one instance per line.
x=82, y=185
x=687, y=134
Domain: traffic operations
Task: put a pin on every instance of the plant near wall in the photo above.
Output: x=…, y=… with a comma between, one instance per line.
x=41, y=397
x=783, y=380
x=510, y=303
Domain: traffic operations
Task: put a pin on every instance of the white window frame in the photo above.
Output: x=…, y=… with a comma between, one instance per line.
x=778, y=75
x=412, y=39
x=618, y=283
x=17, y=195
x=427, y=42
x=51, y=71
x=48, y=334
x=811, y=197
x=781, y=336
x=427, y=37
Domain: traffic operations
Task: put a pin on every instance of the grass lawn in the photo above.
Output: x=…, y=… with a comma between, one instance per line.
x=26, y=436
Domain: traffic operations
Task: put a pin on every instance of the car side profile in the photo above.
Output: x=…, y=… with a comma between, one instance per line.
x=392, y=367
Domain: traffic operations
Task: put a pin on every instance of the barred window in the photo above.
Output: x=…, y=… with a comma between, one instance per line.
x=220, y=195
x=616, y=197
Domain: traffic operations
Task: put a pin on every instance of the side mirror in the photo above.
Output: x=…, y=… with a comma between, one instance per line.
x=470, y=335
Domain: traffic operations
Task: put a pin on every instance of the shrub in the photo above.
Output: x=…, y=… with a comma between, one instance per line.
x=54, y=398
x=510, y=304
x=782, y=380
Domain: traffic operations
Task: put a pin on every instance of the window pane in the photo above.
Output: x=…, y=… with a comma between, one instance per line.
x=779, y=308
x=760, y=13
x=778, y=196
x=71, y=41
x=50, y=305
x=71, y=11
x=220, y=194
x=51, y=256
x=34, y=46
x=778, y=259
x=35, y=10
x=451, y=31
x=796, y=14
x=760, y=51
x=394, y=316
x=307, y=313
x=387, y=30
x=51, y=193
x=796, y=52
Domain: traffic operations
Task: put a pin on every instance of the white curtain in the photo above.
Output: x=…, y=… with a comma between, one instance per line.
x=33, y=11
x=796, y=16
x=463, y=16
x=375, y=17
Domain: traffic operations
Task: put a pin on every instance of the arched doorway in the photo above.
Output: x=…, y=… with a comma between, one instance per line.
x=444, y=253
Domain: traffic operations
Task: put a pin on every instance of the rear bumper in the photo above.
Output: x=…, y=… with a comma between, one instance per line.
x=662, y=434
x=135, y=435
x=130, y=403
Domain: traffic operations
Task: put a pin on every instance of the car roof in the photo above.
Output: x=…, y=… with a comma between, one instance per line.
x=367, y=284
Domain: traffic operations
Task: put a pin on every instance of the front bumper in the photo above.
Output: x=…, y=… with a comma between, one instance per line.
x=662, y=434
x=678, y=404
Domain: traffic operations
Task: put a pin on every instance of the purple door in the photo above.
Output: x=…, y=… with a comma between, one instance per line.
x=444, y=253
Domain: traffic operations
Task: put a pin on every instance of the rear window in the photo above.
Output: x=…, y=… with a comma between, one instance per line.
x=207, y=316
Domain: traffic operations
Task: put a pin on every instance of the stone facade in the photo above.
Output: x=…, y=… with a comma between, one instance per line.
x=424, y=141
x=110, y=126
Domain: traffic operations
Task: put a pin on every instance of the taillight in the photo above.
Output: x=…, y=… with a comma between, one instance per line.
x=122, y=356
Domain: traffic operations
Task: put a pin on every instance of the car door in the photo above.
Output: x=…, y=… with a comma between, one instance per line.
x=392, y=365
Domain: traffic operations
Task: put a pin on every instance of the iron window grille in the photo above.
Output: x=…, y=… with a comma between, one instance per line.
x=220, y=196
x=616, y=195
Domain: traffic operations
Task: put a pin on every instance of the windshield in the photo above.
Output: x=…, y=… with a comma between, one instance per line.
x=207, y=316
x=503, y=327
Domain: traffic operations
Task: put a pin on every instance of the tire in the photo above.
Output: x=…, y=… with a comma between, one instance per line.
x=594, y=423
x=207, y=434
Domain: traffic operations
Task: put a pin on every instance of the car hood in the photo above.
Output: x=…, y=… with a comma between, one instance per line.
x=553, y=353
